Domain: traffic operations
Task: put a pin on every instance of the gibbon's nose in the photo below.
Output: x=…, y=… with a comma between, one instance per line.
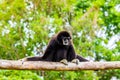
x=66, y=41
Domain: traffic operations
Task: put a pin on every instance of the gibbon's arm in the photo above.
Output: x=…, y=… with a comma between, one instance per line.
x=50, y=51
x=72, y=55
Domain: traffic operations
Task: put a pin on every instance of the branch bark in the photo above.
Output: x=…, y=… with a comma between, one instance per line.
x=56, y=66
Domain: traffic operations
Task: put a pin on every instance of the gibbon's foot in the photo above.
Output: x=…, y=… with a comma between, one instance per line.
x=23, y=60
x=64, y=61
x=75, y=61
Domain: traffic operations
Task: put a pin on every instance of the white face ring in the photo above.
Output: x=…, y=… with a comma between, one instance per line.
x=65, y=42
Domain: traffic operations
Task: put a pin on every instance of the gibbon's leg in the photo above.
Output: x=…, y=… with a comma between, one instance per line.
x=75, y=61
x=35, y=58
x=81, y=59
x=31, y=59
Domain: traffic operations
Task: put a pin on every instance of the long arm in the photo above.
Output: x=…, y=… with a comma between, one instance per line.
x=73, y=57
x=71, y=53
x=50, y=51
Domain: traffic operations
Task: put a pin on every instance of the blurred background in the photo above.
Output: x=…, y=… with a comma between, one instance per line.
x=27, y=25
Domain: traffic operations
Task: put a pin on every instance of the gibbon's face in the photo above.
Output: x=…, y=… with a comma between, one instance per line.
x=66, y=40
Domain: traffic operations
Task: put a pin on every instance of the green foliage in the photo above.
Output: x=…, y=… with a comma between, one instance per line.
x=71, y=75
x=27, y=25
x=18, y=75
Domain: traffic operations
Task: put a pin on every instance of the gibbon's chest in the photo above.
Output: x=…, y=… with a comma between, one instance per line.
x=62, y=47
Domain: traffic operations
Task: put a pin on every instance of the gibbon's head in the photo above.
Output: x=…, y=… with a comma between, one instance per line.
x=64, y=38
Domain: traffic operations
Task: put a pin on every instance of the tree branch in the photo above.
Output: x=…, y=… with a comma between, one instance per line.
x=56, y=66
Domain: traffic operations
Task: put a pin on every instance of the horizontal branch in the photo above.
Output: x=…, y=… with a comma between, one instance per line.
x=56, y=66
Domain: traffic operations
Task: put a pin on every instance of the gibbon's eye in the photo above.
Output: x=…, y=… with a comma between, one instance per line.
x=69, y=38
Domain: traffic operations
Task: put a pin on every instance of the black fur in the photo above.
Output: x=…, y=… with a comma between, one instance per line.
x=56, y=51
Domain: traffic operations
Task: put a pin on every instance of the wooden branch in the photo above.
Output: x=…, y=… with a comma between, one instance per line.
x=56, y=66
